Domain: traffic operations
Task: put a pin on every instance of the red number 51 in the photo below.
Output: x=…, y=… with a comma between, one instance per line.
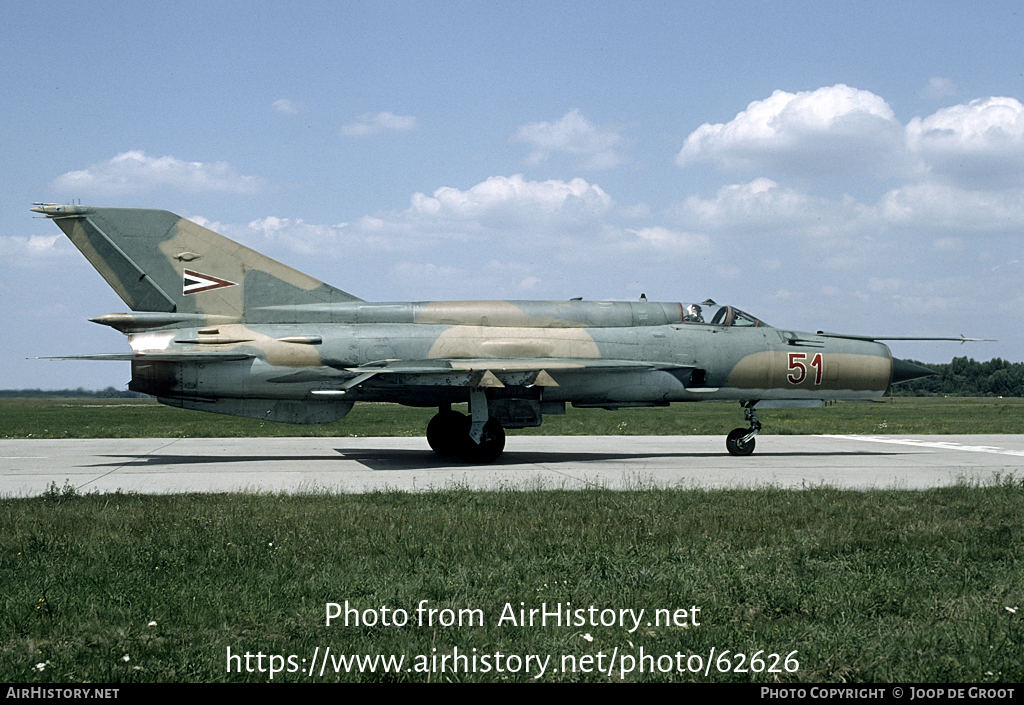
x=799, y=367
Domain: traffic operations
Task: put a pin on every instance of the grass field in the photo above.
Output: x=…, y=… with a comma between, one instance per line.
x=145, y=418
x=863, y=586
x=817, y=585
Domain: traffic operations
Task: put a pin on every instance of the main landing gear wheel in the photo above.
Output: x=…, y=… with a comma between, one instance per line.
x=735, y=445
x=448, y=435
x=446, y=431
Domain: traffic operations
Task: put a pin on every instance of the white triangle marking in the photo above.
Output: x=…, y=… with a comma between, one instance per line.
x=196, y=282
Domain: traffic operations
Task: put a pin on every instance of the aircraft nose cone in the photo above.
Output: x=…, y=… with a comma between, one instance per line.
x=903, y=371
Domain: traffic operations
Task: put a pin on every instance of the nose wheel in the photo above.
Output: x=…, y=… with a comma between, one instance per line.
x=740, y=441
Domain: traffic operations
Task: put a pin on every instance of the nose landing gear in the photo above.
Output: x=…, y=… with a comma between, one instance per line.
x=740, y=441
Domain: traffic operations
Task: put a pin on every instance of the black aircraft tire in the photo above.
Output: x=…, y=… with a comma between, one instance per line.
x=733, y=444
x=446, y=431
x=490, y=447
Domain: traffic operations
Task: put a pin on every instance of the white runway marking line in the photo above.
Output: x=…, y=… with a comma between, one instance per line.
x=939, y=445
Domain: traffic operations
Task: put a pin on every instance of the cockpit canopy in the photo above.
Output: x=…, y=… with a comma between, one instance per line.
x=710, y=313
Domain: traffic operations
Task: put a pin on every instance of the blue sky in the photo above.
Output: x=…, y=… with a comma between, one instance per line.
x=853, y=167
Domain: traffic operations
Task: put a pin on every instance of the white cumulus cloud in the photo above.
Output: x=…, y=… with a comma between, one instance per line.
x=573, y=134
x=979, y=144
x=763, y=206
x=134, y=172
x=940, y=207
x=828, y=131
x=499, y=209
x=515, y=197
x=375, y=123
x=20, y=250
x=664, y=239
x=500, y=237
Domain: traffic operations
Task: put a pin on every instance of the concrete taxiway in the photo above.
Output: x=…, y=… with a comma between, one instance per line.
x=28, y=467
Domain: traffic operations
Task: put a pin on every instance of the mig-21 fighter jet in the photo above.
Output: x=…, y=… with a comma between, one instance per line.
x=216, y=326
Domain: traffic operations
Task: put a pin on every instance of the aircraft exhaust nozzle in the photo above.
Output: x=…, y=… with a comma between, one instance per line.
x=903, y=371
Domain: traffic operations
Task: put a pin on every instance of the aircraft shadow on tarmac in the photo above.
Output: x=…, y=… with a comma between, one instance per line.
x=398, y=459
x=156, y=460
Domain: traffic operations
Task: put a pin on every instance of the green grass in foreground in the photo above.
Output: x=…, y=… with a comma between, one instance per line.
x=145, y=418
x=864, y=586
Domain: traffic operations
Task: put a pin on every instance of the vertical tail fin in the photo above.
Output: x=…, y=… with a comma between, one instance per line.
x=158, y=261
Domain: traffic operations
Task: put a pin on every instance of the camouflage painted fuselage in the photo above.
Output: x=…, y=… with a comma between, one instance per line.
x=592, y=354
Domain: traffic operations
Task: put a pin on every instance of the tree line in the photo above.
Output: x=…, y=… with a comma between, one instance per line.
x=108, y=393
x=966, y=377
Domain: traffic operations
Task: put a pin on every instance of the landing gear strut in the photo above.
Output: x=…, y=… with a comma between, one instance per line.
x=490, y=447
x=740, y=441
